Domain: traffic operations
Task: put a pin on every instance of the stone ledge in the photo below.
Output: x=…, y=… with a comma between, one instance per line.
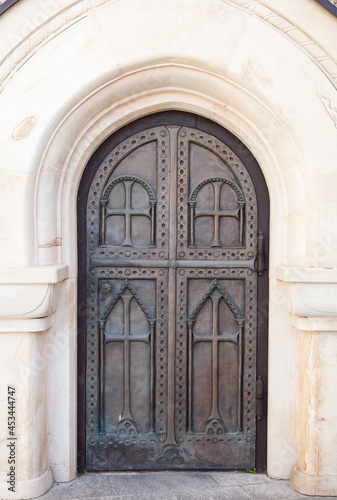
x=30, y=325
x=309, y=292
x=306, y=274
x=313, y=485
x=314, y=324
x=34, y=275
x=30, y=293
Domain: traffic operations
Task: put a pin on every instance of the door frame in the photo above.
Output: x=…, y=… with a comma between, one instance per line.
x=207, y=126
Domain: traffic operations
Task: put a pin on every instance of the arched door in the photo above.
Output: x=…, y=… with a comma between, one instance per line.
x=171, y=224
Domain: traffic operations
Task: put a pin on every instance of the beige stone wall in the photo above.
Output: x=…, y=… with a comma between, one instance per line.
x=72, y=73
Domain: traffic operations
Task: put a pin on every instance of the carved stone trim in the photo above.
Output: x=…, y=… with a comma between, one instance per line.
x=69, y=15
x=316, y=53
x=318, y=325
x=29, y=488
x=30, y=325
x=46, y=30
x=306, y=274
x=34, y=275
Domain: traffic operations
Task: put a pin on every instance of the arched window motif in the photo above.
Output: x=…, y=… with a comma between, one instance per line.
x=125, y=332
x=216, y=206
x=215, y=295
x=128, y=199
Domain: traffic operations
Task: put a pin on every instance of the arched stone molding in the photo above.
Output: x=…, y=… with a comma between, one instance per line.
x=77, y=89
x=143, y=92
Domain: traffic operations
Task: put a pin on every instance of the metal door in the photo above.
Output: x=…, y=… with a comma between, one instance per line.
x=171, y=287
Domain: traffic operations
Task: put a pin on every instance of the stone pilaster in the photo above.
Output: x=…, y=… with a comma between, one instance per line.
x=28, y=299
x=311, y=297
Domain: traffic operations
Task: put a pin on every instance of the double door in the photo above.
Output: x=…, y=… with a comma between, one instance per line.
x=171, y=300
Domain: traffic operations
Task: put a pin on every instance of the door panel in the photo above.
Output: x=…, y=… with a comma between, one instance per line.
x=172, y=299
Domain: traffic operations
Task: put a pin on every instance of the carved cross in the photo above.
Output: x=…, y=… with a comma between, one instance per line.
x=215, y=338
x=127, y=293
x=215, y=293
x=216, y=213
x=128, y=212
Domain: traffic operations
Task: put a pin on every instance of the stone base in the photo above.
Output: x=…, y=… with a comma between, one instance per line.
x=30, y=488
x=313, y=485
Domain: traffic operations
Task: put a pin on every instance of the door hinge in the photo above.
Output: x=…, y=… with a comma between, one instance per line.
x=259, y=397
x=260, y=254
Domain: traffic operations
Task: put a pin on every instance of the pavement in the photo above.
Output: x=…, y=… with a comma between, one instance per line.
x=174, y=485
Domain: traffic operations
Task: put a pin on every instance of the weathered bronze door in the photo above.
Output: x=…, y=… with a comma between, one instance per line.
x=171, y=287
